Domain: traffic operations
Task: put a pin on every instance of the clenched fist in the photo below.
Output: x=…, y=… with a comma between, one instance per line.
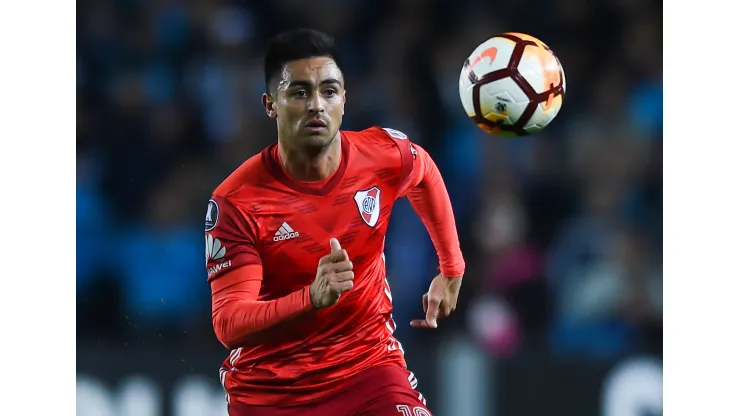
x=334, y=276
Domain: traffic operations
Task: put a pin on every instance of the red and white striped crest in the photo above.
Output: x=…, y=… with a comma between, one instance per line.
x=368, y=202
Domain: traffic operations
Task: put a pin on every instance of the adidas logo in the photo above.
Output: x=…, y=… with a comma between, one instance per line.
x=285, y=233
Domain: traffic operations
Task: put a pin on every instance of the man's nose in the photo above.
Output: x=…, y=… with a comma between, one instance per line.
x=316, y=104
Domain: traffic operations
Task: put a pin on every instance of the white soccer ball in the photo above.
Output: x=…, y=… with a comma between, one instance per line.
x=512, y=85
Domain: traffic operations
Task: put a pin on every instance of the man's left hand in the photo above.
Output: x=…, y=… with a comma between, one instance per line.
x=439, y=301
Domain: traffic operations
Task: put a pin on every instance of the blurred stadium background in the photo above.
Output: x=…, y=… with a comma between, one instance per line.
x=561, y=310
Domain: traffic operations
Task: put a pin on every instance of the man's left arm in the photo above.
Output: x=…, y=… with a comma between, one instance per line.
x=428, y=196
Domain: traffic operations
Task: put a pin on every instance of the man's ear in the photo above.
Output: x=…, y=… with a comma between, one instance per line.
x=268, y=101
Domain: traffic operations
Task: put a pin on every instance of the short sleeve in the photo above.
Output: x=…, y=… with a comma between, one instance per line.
x=231, y=238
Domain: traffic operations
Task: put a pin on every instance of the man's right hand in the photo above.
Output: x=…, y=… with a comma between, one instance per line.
x=334, y=276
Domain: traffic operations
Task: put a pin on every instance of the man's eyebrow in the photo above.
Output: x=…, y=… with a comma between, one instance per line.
x=299, y=84
x=308, y=84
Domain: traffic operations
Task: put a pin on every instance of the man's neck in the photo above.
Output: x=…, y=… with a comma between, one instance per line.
x=311, y=166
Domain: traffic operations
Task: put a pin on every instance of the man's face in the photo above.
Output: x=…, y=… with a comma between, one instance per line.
x=308, y=102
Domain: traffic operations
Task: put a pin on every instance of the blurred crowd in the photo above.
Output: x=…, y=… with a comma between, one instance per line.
x=562, y=231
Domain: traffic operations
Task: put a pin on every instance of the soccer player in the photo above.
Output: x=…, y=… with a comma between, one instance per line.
x=294, y=248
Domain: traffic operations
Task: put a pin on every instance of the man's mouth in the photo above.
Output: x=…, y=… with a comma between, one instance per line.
x=316, y=124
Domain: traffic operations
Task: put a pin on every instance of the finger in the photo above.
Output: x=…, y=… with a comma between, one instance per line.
x=425, y=302
x=333, y=268
x=433, y=311
x=421, y=323
x=444, y=310
x=334, y=244
x=344, y=276
x=338, y=256
x=325, y=260
x=341, y=287
x=337, y=253
x=342, y=266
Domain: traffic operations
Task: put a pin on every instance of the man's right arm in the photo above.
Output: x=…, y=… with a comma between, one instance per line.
x=235, y=275
x=237, y=313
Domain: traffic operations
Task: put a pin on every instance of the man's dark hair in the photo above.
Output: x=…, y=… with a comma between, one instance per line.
x=293, y=45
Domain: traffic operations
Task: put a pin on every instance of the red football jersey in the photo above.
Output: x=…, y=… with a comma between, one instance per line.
x=259, y=215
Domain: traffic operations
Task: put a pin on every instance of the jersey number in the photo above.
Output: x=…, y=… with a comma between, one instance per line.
x=405, y=410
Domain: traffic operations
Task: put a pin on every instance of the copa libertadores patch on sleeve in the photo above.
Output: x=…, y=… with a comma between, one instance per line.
x=211, y=215
x=395, y=133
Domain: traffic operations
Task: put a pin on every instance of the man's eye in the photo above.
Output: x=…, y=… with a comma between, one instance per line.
x=330, y=92
x=300, y=93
